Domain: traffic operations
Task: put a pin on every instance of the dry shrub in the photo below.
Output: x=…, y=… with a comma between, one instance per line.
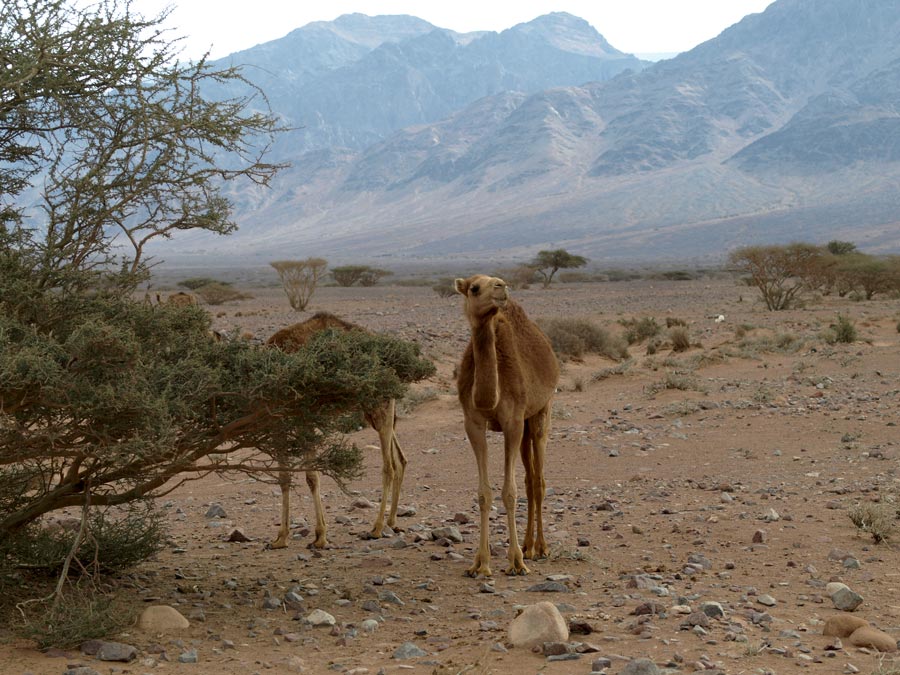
x=575, y=337
x=638, y=330
x=81, y=614
x=672, y=321
x=875, y=519
x=680, y=339
x=217, y=293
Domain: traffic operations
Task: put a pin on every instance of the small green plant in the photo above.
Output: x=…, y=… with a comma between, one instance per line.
x=842, y=330
x=875, y=519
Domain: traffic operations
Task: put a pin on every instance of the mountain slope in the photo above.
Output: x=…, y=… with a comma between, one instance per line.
x=783, y=127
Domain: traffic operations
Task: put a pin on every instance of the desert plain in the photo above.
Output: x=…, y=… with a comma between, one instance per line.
x=726, y=473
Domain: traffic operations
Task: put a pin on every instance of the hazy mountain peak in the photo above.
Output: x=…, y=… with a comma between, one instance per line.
x=372, y=31
x=568, y=33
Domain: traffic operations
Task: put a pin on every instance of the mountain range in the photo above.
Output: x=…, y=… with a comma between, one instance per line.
x=416, y=143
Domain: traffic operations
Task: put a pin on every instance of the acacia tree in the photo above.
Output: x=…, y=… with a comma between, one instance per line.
x=548, y=263
x=104, y=400
x=96, y=104
x=300, y=279
x=779, y=272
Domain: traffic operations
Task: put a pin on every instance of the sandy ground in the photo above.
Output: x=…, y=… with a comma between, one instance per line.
x=734, y=489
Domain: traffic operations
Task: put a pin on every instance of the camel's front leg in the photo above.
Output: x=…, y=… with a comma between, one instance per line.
x=312, y=480
x=512, y=440
x=477, y=437
x=284, y=483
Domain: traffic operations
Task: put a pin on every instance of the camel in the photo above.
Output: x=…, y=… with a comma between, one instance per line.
x=506, y=382
x=382, y=418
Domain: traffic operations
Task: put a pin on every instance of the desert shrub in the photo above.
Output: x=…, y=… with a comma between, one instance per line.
x=680, y=339
x=672, y=321
x=620, y=275
x=741, y=330
x=80, y=614
x=675, y=380
x=372, y=275
x=638, y=330
x=194, y=283
x=444, y=288
x=299, y=279
x=217, y=293
x=780, y=273
x=574, y=277
x=875, y=519
x=842, y=330
x=620, y=369
x=675, y=275
x=112, y=542
x=574, y=337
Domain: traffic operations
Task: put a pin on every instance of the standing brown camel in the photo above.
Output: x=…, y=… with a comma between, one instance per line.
x=506, y=381
x=382, y=418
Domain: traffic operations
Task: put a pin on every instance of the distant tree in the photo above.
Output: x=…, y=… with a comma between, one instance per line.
x=300, y=278
x=868, y=274
x=547, y=263
x=837, y=247
x=347, y=275
x=196, y=282
x=372, y=275
x=779, y=272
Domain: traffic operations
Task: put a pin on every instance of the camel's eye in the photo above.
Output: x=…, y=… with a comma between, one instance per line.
x=475, y=288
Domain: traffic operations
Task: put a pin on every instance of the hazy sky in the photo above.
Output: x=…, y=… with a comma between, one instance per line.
x=634, y=26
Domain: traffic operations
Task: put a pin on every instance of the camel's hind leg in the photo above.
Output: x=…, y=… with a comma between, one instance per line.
x=527, y=457
x=312, y=480
x=393, y=465
x=284, y=483
x=538, y=428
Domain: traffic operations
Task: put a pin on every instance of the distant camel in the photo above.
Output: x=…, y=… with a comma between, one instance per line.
x=382, y=418
x=506, y=381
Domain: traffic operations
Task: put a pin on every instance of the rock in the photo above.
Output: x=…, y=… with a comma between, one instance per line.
x=759, y=537
x=452, y=533
x=162, y=619
x=537, y=624
x=271, y=602
x=867, y=636
x=369, y=625
x=237, y=536
x=548, y=587
x=713, y=610
x=766, y=599
x=601, y=663
x=640, y=667
x=215, y=511
x=834, y=586
x=408, y=650
x=190, y=656
x=318, y=617
x=116, y=651
x=846, y=599
x=843, y=625
x=555, y=648
x=80, y=670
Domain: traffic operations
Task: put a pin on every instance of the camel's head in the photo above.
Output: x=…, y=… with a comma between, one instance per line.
x=484, y=295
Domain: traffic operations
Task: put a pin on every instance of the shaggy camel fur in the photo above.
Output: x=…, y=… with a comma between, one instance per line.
x=382, y=418
x=506, y=382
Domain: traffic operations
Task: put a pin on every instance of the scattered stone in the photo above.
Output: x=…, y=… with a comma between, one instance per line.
x=216, y=511
x=238, y=537
x=408, y=650
x=767, y=600
x=369, y=625
x=271, y=602
x=640, y=667
x=548, y=587
x=867, y=636
x=116, y=651
x=450, y=532
x=80, y=670
x=162, y=619
x=846, y=600
x=555, y=648
x=190, y=656
x=320, y=617
x=833, y=587
x=601, y=663
x=713, y=610
x=759, y=537
x=564, y=657
x=537, y=624
x=843, y=625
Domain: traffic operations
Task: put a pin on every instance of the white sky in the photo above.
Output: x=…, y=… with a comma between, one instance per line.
x=633, y=26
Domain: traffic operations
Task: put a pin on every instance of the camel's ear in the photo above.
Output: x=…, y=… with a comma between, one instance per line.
x=462, y=286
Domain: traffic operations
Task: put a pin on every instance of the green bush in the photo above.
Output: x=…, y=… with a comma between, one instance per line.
x=575, y=337
x=638, y=330
x=842, y=330
x=80, y=614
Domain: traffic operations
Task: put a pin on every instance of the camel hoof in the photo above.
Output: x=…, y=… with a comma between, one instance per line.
x=273, y=545
x=319, y=544
x=475, y=571
x=518, y=571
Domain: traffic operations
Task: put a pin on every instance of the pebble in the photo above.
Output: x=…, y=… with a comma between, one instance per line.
x=408, y=650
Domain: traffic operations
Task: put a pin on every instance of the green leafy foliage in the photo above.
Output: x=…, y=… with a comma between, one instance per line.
x=548, y=263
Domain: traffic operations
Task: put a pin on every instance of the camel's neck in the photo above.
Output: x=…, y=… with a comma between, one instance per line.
x=486, y=390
